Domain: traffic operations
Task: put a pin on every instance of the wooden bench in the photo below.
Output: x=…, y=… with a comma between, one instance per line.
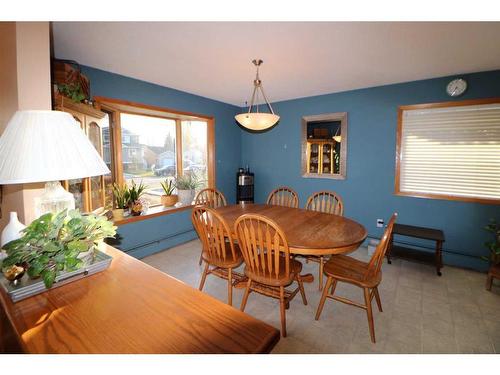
x=417, y=255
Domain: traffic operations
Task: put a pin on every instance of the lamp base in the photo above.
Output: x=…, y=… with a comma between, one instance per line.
x=54, y=199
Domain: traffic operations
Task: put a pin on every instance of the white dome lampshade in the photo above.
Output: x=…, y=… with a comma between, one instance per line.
x=40, y=146
x=47, y=146
x=257, y=120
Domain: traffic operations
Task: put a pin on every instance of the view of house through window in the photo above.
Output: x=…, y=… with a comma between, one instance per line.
x=148, y=152
x=194, y=150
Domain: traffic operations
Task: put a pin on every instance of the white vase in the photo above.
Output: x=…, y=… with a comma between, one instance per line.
x=12, y=231
x=185, y=197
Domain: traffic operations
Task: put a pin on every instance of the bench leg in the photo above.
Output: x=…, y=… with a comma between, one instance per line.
x=389, y=249
x=489, y=282
x=439, y=257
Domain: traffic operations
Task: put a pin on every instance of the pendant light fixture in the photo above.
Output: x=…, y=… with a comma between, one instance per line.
x=257, y=120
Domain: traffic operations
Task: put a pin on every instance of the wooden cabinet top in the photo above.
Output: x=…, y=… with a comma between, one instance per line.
x=61, y=103
x=133, y=308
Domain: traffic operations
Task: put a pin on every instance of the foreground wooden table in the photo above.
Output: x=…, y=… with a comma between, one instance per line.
x=130, y=308
x=307, y=232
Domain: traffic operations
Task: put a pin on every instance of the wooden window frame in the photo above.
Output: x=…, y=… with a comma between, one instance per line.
x=399, y=134
x=116, y=106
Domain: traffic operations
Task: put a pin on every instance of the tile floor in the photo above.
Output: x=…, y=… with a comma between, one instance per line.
x=423, y=313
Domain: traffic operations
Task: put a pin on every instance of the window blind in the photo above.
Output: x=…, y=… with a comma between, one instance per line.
x=451, y=151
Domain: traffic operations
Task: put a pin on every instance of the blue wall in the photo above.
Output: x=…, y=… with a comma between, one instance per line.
x=275, y=158
x=367, y=192
x=149, y=236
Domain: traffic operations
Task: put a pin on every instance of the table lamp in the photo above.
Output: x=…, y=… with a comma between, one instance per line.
x=47, y=146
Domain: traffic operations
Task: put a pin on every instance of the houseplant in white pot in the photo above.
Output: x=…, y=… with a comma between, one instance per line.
x=122, y=197
x=186, y=186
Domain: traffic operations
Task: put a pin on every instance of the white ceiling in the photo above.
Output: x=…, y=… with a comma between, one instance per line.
x=213, y=59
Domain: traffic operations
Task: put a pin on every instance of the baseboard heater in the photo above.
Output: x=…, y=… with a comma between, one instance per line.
x=157, y=241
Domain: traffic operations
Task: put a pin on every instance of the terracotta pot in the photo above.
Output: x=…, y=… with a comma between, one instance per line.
x=118, y=213
x=169, y=200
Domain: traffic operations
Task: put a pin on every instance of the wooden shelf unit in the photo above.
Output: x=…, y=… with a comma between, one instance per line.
x=90, y=192
x=321, y=156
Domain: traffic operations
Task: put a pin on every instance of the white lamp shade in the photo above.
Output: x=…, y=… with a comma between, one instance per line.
x=39, y=146
x=257, y=121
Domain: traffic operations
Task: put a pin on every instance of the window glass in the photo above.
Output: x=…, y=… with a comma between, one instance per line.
x=148, y=152
x=450, y=152
x=194, y=150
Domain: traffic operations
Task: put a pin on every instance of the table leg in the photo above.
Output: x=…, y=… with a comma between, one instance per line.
x=307, y=278
x=439, y=257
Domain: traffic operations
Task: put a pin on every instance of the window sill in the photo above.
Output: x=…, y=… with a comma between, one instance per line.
x=152, y=213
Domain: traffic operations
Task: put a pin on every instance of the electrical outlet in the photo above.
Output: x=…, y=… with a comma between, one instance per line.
x=380, y=223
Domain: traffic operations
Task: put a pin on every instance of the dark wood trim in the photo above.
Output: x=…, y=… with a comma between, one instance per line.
x=451, y=103
x=399, y=132
x=102, y=99
x=211, y=153
x=447, y=197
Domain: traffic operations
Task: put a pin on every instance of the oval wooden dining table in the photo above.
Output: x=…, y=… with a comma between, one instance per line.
x=307, y=232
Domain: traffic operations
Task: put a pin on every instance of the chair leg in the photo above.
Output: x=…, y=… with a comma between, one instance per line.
x=369, y=313
x=301, y=288
x=334, y=285
x=377, y=298
x=203, y=277
x=245, y=296
x=320, y=276
x=323, y=296
x=282, y=311
x=201, y=259
x=489, y=282
x=230, y=287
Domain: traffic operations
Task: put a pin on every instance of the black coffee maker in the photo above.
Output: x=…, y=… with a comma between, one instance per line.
x=244, y=186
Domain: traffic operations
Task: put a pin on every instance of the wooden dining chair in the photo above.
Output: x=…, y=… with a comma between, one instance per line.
x=283, y=196
x=326, y=202
x=268, y=264
x=364, y=275
x=212, y=198
x=218, y=247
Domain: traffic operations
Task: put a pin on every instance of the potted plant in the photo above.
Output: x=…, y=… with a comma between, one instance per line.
x=121, y=195
x=494, y=248
x=135, y=193
x=73, y=91
x=186, y=185
x=54, y=243
x=169, y=198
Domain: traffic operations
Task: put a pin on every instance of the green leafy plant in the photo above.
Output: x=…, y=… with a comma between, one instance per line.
x=122, y=195
x=52, y=243
x=493, y=246
x=168, y=187
x=187, y=182
x=135, y=191
x=73, y=91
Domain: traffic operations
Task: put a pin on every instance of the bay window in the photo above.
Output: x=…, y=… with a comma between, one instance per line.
x=152, y=144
